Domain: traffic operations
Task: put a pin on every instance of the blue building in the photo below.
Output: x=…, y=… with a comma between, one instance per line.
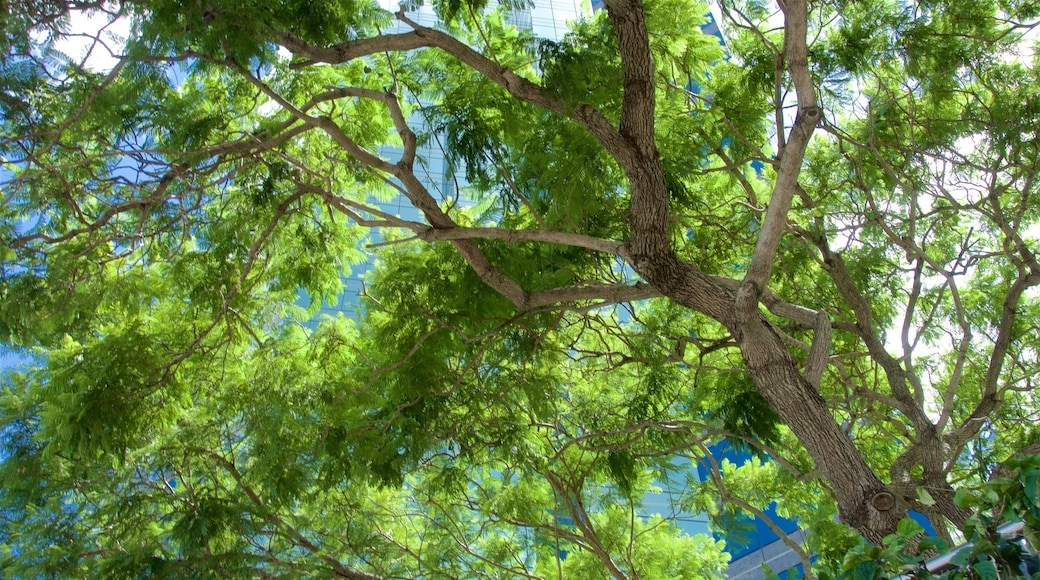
x=752, y=543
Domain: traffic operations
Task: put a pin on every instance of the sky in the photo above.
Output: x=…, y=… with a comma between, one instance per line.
x=94, y=37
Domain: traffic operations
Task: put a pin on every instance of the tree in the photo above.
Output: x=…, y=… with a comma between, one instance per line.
x=526, y=368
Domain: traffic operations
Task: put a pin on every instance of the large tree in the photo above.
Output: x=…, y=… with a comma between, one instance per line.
x=820, y=243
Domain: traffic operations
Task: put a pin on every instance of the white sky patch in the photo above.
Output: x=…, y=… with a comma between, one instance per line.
x=268, y=108
x=1026, y=48
x=94, y=39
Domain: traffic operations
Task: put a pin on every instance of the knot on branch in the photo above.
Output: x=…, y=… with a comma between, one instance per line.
x=883, y=501
x=809, y=116
x=745, y=302
x=512, y=82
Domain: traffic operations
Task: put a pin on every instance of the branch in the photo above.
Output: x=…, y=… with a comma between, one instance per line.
x=299, y=539
x=445, y=229
x=516, y=236
x=635, y=151
x=392, y=104
x=839, y=273
x=324, y=123
x=991, y=398
x=726, y=496
x=347, y=51
x=809, y=114
x=415, y=191
x=819, y=350
x=159, y=195
x=639, y=158
x=638, y=99
x=582, y=522
x=423, y=37
x=607, y=293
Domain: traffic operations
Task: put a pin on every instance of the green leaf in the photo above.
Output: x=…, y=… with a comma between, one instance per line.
x=865, y=571
x=986, y=570
x=924, y=497
x=908, y=528
x=933, y=543
x=964, y=498
x=1031, y=486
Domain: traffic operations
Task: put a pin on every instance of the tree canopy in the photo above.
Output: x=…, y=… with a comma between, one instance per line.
x=818, y=242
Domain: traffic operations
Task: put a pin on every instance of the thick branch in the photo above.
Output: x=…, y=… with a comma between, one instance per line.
x=423, y=37
x=347, y=51
x=609, y=293
x=819, y=350
x=926, y=449
x=517, y=236
x=649, y=214
x=638, y=99
x=809, y=114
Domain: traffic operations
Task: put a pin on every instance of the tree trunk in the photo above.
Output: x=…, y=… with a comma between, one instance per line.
x=864, y=502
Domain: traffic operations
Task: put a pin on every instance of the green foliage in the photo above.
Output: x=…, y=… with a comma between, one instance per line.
x=186, y=412
x=661, y=553
x=988, y=554
x=244, y=29
x=104, y=398
x=742, y=411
